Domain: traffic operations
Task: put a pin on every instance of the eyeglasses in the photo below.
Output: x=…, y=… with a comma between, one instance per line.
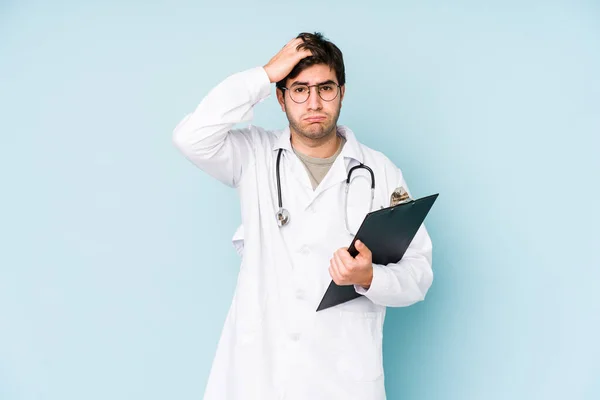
x=327, y=91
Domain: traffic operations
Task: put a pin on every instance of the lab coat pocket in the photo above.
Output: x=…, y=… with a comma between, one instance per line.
x=247, y=312
x=238, y=240
x=360, y=340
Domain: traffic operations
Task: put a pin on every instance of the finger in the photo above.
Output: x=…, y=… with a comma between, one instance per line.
x=346, y=258
x=301, y=48
x=294, y=43
x=291, y=45
x=339, y=268
x=362, y=249
x=333, y=271
x=342, y=267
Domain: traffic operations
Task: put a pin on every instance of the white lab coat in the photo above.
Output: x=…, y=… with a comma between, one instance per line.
x=274, y=345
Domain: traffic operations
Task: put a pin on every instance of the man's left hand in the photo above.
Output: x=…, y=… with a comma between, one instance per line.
x=347, y=270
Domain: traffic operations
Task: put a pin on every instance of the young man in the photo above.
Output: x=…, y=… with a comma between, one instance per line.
x=295, y=227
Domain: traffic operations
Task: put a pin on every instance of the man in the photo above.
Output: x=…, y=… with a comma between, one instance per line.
x=295, y=227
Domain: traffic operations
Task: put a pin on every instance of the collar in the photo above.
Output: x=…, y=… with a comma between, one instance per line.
x=350, y=150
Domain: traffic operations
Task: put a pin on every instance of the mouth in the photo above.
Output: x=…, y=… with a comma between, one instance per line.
x=315, y=119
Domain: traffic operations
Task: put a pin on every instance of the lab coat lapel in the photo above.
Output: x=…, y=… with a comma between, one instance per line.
x=289, y=161
x=336, y=175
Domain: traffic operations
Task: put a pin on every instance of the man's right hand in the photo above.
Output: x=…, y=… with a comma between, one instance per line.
x=283, y=62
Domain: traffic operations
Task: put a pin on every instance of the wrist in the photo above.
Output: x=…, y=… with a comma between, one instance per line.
x=269, y=73
x=369, y=279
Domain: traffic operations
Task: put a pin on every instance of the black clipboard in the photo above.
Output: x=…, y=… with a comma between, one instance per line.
x=387, y=233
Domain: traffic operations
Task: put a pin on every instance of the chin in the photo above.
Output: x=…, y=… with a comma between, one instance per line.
x=317, y=131
x=315, y=134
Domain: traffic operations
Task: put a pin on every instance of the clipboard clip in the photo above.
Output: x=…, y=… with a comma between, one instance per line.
x=399, y=196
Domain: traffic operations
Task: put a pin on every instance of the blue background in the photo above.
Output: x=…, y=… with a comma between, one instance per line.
x=116, y=267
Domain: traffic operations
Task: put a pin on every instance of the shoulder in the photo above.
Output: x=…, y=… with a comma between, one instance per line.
x=378, y=156
x=361, y=151
x=382, y=162
x=259, y=137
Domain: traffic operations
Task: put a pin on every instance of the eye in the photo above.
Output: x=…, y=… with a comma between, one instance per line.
x=300, y=89
x=326, y=88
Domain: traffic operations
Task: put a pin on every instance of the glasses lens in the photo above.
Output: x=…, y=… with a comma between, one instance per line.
x=328, y=91
x=299, y=93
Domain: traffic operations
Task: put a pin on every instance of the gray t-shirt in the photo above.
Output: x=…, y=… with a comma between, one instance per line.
x=317, y=168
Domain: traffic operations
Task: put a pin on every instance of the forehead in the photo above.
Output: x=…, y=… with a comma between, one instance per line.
x=315, y=74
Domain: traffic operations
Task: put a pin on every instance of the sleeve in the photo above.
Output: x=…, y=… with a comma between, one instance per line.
x=205, y=136
x=406, y=282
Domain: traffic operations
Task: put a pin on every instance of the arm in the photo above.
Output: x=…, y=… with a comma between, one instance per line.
x=395, y=285
x=205, y=136
x=406, y=282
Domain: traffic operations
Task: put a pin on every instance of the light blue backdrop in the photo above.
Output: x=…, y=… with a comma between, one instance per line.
x=116, y=269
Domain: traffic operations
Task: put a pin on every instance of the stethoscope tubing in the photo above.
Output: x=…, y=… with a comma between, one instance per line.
x=283, y=215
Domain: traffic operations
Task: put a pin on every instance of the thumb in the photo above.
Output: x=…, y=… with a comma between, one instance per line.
x=360, y=246
x=363, y=250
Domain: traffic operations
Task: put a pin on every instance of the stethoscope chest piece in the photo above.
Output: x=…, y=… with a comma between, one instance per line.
x=283, y=217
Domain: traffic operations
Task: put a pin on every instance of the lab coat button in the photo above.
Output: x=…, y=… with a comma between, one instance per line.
x=295, y=337
x=304, y=250
x=300, y=294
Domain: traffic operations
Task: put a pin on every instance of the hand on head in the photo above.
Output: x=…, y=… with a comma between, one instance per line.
x=283, y=62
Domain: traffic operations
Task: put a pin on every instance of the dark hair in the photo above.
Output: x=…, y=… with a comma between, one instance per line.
x=323, y=52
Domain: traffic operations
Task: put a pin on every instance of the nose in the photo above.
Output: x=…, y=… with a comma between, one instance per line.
x=314, y=100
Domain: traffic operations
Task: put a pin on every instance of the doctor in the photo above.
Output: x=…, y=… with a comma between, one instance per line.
x=291, y=184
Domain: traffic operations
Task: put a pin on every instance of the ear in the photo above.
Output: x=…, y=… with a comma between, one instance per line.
x=281, y=98
x=342, y=92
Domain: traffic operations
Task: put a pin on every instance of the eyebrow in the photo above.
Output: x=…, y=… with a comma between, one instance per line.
x=306, y=83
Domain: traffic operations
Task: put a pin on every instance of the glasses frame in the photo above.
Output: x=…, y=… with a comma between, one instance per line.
x=318, y=91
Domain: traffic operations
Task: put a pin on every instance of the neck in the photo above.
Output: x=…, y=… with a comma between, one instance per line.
x=319, y=148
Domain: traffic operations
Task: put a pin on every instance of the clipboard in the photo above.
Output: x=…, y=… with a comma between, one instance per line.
x=387, y=233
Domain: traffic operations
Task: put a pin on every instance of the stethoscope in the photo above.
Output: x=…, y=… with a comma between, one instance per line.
x=283, y=215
